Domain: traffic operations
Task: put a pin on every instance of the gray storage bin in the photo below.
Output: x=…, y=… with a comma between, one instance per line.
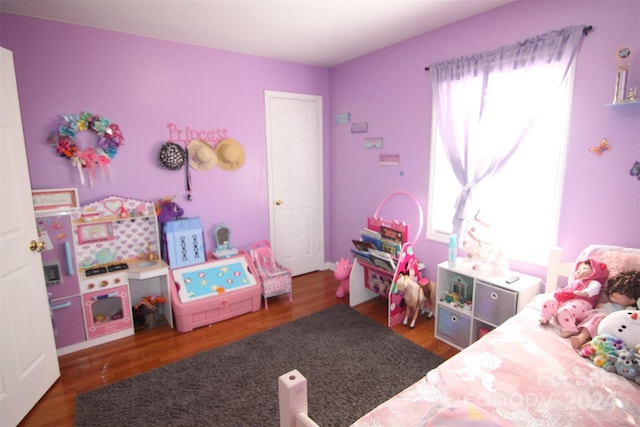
x=492, y=304
x=453, y=326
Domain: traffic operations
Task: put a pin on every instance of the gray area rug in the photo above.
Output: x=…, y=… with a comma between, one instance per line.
x=352, y=364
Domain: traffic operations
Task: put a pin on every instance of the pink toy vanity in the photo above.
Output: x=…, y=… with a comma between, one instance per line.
x=215, y=290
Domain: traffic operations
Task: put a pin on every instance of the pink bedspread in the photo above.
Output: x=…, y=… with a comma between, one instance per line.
x=525, y=374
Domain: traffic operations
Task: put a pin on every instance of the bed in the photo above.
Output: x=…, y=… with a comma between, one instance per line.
x=520, y=374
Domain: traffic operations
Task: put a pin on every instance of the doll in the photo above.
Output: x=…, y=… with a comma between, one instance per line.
x=570, y=305
x=622, y=290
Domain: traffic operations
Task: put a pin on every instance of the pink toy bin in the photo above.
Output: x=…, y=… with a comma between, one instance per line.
x=217, y=307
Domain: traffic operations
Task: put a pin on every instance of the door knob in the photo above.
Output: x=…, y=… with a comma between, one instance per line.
x=37, y=246
x=279, y=202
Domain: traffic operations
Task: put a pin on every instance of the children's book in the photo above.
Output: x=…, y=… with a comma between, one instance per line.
x=363, y=246
x=363, y=256
x=372, y=237
x=391, y=234
x=391, y=240
x=361, y=250
x=391, y=247
x=383, y=260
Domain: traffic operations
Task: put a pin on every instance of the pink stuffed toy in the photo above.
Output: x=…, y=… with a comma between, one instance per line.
x=343, y=270
x=571, y=304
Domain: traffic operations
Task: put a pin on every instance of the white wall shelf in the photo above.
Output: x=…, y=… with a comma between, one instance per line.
x=618, y=104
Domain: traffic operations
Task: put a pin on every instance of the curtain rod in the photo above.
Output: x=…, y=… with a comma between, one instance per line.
x=586, y=30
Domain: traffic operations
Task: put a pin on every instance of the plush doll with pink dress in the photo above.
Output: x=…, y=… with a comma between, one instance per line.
x=623, y=290
x=571, y=304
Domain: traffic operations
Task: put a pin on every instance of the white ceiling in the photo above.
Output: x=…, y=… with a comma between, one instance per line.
x=313, y=32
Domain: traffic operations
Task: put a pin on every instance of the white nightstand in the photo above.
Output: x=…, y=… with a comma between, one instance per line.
x=485, y=301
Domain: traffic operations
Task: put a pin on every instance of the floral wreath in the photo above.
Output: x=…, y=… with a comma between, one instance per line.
x=110, y=138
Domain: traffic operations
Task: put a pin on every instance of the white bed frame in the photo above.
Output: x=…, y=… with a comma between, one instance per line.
x=292, y=395
x=293, y=386
x=556, y=269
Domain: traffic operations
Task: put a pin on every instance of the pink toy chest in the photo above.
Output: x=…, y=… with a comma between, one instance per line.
x=215, y=308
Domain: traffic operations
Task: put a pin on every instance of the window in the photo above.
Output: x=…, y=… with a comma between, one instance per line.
x=500, y=151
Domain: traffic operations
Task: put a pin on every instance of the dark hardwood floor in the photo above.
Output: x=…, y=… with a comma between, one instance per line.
x=98, y=366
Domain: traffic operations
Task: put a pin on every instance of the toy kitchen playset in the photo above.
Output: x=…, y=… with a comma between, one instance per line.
x=99, y=260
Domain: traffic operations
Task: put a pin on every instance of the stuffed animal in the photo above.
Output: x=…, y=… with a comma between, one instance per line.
x=627, y=364
x=601, y=347
x=343, y=270
x=623, y=324
x=571, y=304
x=168, y=210
x=620, y=294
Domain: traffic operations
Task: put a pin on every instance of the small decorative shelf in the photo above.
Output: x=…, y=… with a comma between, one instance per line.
x=617, y=104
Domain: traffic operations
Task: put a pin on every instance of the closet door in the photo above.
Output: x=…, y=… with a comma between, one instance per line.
x=294, y=163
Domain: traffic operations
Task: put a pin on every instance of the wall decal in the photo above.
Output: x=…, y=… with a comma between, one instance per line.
x=635, y=170
x=604, y=146
x=373, y=142
x=187, y=134
x=343, y=118
x=359, y=127
x=390, y=159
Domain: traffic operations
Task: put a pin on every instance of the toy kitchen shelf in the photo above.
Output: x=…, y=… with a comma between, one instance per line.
x=470, y=303
x=116, y=245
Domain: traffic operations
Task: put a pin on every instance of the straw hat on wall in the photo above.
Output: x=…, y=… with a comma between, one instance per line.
x=202, y=156
x=230, y=154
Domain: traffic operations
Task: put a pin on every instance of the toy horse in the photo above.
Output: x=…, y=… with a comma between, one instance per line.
x=415, y=297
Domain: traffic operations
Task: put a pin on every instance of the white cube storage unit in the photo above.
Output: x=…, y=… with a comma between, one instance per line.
x=470, y=303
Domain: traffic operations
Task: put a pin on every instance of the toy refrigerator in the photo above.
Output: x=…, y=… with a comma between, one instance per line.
x=61, y=277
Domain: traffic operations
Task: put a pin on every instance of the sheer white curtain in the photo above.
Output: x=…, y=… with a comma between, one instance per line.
x=469, y=96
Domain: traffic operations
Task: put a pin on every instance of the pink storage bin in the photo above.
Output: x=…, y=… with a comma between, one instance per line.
x=215, y=308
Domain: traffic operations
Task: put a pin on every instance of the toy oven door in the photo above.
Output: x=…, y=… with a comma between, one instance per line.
x=107, y=311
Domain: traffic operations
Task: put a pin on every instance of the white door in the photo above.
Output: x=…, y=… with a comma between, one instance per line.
x=28, y=359
x=294, y=162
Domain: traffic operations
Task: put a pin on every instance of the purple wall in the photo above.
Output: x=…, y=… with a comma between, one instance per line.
x=142, y=84
x=391, y=91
